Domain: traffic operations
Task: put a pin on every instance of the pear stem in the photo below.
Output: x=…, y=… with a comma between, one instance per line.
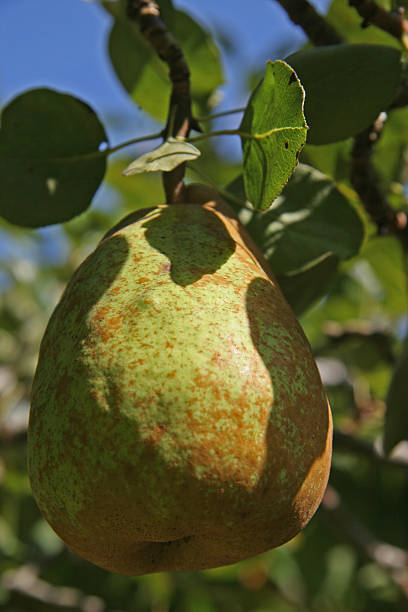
x=180, y=119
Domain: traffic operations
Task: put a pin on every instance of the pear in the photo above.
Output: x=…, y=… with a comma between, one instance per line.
x=178, y=420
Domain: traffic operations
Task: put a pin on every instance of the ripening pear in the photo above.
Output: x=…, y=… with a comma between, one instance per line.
x=178, y=419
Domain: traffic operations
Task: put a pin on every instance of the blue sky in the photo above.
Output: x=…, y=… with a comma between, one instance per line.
x=62, y=44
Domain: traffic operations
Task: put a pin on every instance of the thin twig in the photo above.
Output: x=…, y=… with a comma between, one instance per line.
x=315, y=26
x=368, y=449
x=233, y=111
x=180, y=119
x=392, y=22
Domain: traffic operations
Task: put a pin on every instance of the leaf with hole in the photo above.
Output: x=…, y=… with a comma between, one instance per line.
x=346, y=86
x=274, y=119
x=50, y=164
x=164, y=158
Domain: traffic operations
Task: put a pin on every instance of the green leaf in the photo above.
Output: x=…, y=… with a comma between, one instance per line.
x=274, y=117
x=331, y=159
x=50, y=166
x=348, y=23
x=387, y=261
x=311, y=219
x=142, y=74
x=396, y=416
x=164, y=158
x=347, y=86
x=145, y=76
x=391, y=150
x=304, y=288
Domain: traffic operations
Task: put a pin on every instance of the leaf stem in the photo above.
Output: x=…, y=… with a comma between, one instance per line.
x=233, y=111
x=218, y=133
x=132, y=141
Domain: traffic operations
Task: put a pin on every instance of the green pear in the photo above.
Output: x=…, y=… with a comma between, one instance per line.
x=178, y=420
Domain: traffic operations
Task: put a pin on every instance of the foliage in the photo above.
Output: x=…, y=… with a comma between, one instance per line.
x=346, y=281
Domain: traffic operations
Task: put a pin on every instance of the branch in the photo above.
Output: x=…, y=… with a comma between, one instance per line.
x=391, y=558
x=392, y=22
x=180, y=119
x=366, y=182
x=401, y=97
x=25, y=584
x=373, y=452
x=316, y=28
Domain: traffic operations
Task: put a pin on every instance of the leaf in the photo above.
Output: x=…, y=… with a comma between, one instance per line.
x=387, y=261
x=304, y=288
x=274, y=116
x=50, y=166
x=391, y=149
x=145, y=76
x=311, y=219
x=346, y=86
x=331, y=159
x=164, y=158
x=396, y=416
x=348, y=23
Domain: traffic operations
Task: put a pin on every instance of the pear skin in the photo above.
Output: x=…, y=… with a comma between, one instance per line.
x=178, y=420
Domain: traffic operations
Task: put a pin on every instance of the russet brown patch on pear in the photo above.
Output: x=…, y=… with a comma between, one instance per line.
x=178, y=419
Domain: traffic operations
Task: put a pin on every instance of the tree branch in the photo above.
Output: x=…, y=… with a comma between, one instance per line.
x=366, y=182
x=180, y=119
x=352, y=444
x=392, y=22
x=25, y=585
x=316, y=28
x=391, y=558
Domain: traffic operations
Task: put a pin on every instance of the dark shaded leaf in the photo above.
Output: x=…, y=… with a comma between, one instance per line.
x=50, y=166
x=274, y=116
x=396, y=416
x=304, y=288
x=311, y=219
x=346, y=86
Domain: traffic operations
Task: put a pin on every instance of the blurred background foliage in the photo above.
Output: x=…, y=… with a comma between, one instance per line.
x=352, y=557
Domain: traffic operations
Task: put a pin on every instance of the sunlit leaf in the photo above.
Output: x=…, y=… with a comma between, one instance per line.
x=311, y=219
x=50, y=166
x=274, y=117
